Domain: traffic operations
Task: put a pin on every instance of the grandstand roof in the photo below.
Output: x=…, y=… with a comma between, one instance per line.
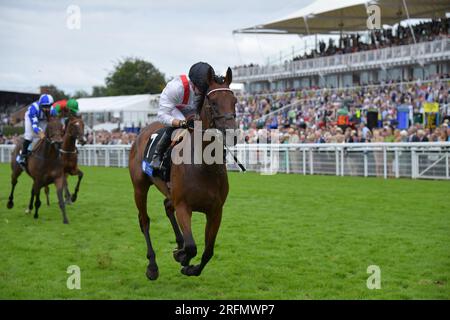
x=140, y=102
x=324, y=16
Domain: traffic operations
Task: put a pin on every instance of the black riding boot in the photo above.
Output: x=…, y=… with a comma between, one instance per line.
x=24, y=153
x=161, y=147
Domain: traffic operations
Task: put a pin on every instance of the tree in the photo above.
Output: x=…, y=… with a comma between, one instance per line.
x=80, y=94
x=56, y=93
x=99, y=91
x=134, y=76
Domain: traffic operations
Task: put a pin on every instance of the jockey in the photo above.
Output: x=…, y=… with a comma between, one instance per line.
x=178, y=102
x=35, y=123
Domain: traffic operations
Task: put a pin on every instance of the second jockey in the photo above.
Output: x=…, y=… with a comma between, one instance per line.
x=35, y=123
x=64, y=109
x=178, y=103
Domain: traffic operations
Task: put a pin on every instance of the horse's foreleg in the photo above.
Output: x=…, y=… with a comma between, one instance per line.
x=67, y=192
x=140, y=198
x=170, y=212
x=30, y=205
x=37, y=203
x=211, y=229
x=59, y=183
x=184, y=214
x=77, y=188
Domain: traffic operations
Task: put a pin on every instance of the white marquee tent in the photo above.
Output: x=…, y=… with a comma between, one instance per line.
x=128, y=110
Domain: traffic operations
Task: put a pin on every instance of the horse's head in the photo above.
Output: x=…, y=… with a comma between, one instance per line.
x=54, y=131
x=218, y=110
x=75, y=129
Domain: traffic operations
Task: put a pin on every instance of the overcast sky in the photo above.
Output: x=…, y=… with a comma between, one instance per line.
x=38, y=48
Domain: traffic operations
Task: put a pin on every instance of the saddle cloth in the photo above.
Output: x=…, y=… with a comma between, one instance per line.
x=150, y=149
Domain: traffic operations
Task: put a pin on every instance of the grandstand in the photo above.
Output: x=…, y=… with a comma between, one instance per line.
x=12, y=105
x=402, y=52
x=390, y=86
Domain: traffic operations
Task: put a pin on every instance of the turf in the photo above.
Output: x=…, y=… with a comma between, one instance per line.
x=282, y=237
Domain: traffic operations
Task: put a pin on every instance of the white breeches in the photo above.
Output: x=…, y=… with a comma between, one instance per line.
x=29, y=133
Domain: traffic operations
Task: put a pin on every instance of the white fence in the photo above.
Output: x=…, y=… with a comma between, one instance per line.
x=423, y=52
x=388, y=160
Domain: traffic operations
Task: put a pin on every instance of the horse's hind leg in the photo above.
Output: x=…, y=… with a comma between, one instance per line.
x=16, y=171
x=77, y=188
x=170, y=212
x=140, y=198
x=10, y=203
x=47, y=191
x=59, y=183
x=30, y=205
x=211, y=229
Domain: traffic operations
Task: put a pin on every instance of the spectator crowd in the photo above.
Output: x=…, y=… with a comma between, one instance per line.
x=425, y=31
x=110, y=138
x=360, y=114
x=378, y=39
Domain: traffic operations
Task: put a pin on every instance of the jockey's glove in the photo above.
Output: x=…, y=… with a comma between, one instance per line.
x=183, y=124
x=189, y=124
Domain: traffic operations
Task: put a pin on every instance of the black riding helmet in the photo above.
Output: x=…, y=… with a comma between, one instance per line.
x=198, y=75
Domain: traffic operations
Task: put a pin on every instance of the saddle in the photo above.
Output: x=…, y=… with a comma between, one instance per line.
x=150, y=149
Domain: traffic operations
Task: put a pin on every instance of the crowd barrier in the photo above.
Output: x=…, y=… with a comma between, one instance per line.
x=388, y=160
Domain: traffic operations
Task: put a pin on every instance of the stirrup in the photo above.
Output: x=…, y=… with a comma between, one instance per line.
x=21, y=161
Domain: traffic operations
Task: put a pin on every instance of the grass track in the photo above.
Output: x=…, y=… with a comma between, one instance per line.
x=282, y=237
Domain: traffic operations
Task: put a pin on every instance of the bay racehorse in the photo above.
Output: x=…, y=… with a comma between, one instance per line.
x=74, y=131
x=193, y=187
x=44, y=166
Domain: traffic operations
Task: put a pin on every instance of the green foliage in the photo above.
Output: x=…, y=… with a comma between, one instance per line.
x=282, y=237
x=134, y=76
x=10, y=130
x=99, y=91
x=80, y=94
x=56, y=93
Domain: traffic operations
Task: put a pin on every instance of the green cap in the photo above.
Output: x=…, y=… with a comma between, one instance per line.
x=72, y=105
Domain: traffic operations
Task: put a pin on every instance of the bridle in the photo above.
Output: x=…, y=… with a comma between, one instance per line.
x=76, y=149
x=215, y=115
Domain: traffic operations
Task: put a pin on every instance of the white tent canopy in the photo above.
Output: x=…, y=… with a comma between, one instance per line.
x=325, y=16
x=141, y=102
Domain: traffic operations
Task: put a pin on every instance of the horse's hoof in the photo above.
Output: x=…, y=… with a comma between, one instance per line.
x=74, y=198
x=179, y=255
x=35, y=216
x=152, y=274
x=66, y=221
x=10, y=205
x=27, y=211
x=191, y=271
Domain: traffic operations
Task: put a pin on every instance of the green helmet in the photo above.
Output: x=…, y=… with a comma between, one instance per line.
x=72, y=105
